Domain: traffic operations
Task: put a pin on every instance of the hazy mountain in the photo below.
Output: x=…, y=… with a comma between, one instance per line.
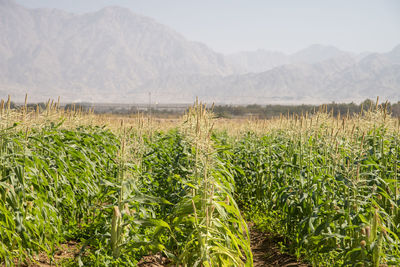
x=263, y=60
x=376, y=74
x=257, y=61
x=96, y=56
x=317, y=53
x=114, y=55
x=285, y=83
x=341, y=78
x=394, y=55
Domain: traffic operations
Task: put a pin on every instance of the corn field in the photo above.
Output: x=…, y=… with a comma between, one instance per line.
x=125, y=188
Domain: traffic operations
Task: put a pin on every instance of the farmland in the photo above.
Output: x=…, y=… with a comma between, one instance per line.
x=123, y=188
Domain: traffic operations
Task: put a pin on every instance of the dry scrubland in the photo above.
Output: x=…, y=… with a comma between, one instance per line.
x=121, y=188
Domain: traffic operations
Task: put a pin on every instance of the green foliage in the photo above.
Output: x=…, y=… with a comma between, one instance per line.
x=205, y=224
x=322, y=192
x=50, y=183
x=333, y=195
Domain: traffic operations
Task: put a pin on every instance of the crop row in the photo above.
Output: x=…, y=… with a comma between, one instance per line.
x=334, y=199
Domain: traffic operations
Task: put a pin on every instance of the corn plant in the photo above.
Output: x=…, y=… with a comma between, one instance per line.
x=208, y=225
x=322, y=187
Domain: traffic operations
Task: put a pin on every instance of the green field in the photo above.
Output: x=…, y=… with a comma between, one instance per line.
x=120, y=189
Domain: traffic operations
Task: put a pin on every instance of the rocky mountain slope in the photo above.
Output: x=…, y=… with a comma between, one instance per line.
x=342, y=78
x=95, y=56
x=263, y=60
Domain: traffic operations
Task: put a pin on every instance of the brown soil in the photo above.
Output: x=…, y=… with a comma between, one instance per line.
x=66, y=251
x=153, y=261
x=266, y=252
x=265, y=248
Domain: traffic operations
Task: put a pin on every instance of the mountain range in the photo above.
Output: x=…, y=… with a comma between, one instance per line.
x=263, y=60
x=115, y=55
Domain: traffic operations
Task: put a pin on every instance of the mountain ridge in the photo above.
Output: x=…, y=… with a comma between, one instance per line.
x=110, y=50
x=262, y=60
x=115, y=55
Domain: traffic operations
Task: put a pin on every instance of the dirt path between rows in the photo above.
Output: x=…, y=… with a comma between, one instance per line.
x=265, y=248
x=266, y=252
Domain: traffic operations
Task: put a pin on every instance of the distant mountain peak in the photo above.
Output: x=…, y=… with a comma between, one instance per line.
x=101, y=54
x=396, y=50
x=316, y=53
x=319, y=48
x=262, y=60
x=116, y=10
x=7, y=3
x=394, y=55
x=119, y=14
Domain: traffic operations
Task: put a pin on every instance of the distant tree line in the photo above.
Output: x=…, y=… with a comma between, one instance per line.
x=269, y=111
x=234, y=111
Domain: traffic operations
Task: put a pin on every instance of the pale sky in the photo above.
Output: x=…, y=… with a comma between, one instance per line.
x=282, y=25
